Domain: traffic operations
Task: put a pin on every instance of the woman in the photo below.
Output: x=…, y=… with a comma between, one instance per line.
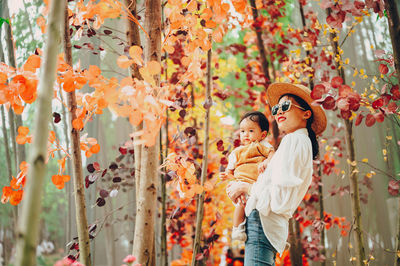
x=283, y=184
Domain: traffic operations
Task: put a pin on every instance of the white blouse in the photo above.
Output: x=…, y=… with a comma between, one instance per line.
x=282, y=186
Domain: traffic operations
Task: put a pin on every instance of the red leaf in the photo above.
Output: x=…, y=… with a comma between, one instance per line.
x=345, y=114
x=377, y=103
x=344, y=90
x=369, y=120
x=383, y=69
x=359, y=4
x=224, y=161
x=359, y=119
x=343, y=104
x=395, y=92
x=393, y=187
x=392, y=107
x=318, y=91
x=336, y=82
x=329, y=103
x=354, y=100
x=379, y=117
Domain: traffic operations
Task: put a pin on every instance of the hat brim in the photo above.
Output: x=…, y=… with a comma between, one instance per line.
x=276, y=90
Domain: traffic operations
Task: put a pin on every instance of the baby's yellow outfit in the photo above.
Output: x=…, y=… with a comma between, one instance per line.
x=244, y=160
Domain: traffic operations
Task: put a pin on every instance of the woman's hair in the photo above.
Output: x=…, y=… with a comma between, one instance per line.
x=311, y=133
x=257, y=117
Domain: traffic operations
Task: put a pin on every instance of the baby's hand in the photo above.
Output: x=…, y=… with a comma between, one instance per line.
x=262, y=166
x=225, y=176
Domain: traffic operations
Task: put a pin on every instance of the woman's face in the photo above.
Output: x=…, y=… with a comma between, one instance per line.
x=293, y=119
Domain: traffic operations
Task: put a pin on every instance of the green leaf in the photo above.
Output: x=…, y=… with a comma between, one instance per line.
x=2, y=20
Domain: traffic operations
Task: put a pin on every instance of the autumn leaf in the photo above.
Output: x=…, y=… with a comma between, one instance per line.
x=124, y=62
x=136, y=54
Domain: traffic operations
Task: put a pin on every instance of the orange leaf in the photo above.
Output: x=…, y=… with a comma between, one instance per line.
x=88, y=154
x=3, y=78
x=153, y=67
x=211, y=24
x=192, y=6
x=58, y=181
x=32, y=63
x=23, y=130
x=41, y=22
x=14, y=183
x=77, y=123
x=95, y=148
x=16, y=197
x=18, y=109
x=101, y=103
x=52, y=136
x=169, y=49
x=136, y=54
x=21, y=140
x=91, y=141
x=7, y=191
x=124, y=62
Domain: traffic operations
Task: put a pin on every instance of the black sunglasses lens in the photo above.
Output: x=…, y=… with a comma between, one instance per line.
x=285, y=106
x=275, y=109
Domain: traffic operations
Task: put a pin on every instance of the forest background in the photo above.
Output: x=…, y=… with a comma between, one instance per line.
x=145, y=101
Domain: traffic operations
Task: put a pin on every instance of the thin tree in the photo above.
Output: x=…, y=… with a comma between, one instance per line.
x=353, y=176
x=79, y=190
x=264, y=61
x=21, y=156
x=146, y=199
x=133, y=37
x=320, y=188
x=394, y=29
x=204, y=166
x=28, y=227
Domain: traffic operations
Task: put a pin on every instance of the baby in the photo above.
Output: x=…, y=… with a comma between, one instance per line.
x=244, y=162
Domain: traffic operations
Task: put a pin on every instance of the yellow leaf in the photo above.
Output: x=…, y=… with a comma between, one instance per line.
x=365, y=160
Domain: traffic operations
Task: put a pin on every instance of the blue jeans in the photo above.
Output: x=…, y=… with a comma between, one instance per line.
x=258, y=250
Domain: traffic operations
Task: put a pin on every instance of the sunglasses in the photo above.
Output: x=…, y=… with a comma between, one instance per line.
x=285, y=106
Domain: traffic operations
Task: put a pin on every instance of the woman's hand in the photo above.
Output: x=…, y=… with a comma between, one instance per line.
x=237, y=191
x=262, y=166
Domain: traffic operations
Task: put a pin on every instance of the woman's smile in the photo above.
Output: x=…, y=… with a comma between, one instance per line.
x=281, y=118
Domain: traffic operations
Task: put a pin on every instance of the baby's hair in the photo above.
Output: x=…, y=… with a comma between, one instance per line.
x=257, y=117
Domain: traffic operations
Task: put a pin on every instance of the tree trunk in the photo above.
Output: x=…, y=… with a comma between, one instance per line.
x=21, y=156
x=204, y=166
x=28, y=230
x=147, y=193
x=260, y=43
x=79, y=190
x=68, y=186
x=11, y=118
x=354, y=190
x=397, y=262
x=394, y=29
x=321, y=216
x=296, y=250
x=133, y=38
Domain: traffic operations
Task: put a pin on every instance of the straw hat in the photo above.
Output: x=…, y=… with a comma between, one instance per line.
x=276, y=90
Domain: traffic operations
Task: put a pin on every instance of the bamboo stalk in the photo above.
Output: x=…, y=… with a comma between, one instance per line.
x=28, y=230
x=204, y=166
x=79, y=190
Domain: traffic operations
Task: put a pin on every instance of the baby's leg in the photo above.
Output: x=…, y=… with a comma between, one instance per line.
x=238, y=215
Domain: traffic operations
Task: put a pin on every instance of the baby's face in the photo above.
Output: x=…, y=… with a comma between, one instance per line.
x=250, y=131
